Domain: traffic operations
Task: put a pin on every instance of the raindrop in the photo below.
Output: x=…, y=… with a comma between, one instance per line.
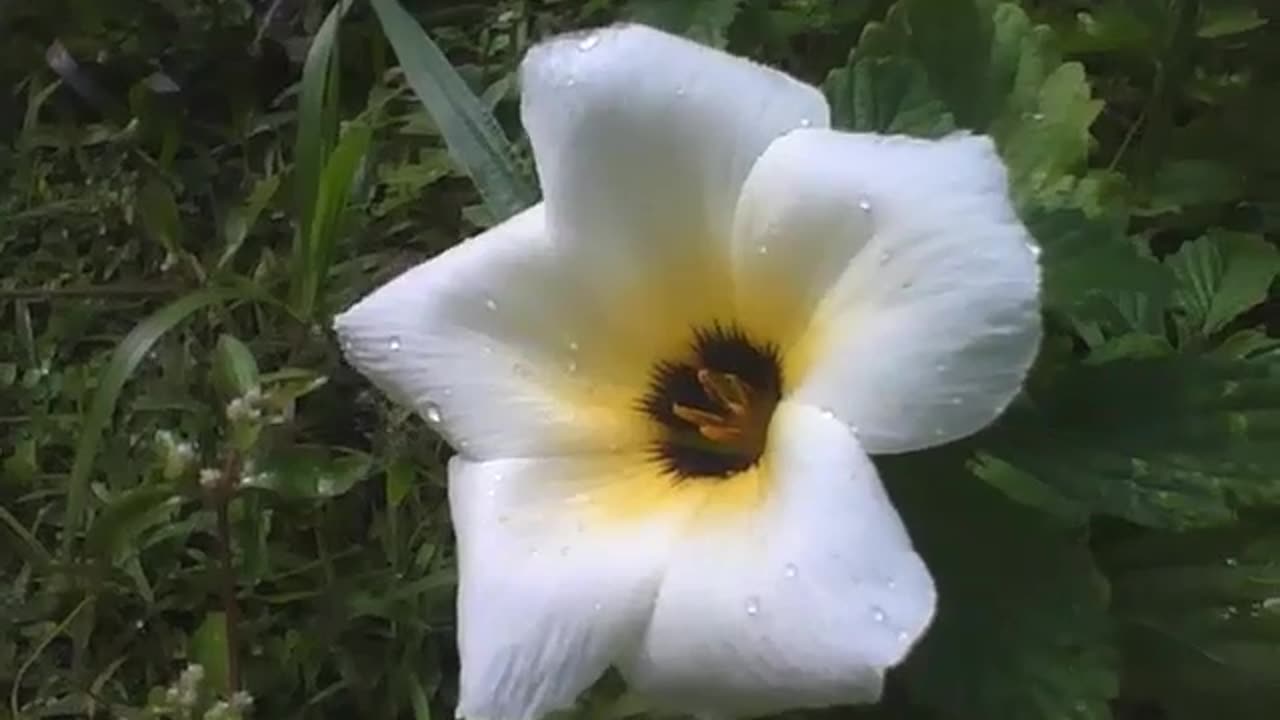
x=432, y=413
x=828, y=413
x=885, y=257
x=589, y=42
x=957, y=400
x=753, y=605
x=1037, y=116
x=491, y=303
x=762, y=249
x=571, y=82
x=903, y=636
x=573, y=346
x=573, y=367
x=805, y=122
x=1035, y=249
x=864, y=205
x=492, y=492
x=140, y=624
x=394, y=343
x=447, y=392
x=681, y=91
x=597, y=606
x=877, y=614
x=940, y=367
x=892, y=584
x=1232, y=562
x=790, y=570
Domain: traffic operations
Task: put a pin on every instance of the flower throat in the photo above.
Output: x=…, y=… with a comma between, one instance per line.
x=713, y=406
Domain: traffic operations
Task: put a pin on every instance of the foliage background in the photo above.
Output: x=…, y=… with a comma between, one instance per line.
x=191, y=476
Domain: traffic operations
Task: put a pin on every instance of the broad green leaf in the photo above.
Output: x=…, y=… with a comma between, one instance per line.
x=1096, y=275
x=115, y=531
x=1022, y=630
x=1220, y=276
x=1235, y=18
x=474, y=137
x=952, y=41
x=1173, y=442
x=888, y=95
x=706, y=21
x=210, y=650
x=235, y=370
x=128, y=354
x=310, y=472
x=158, y=211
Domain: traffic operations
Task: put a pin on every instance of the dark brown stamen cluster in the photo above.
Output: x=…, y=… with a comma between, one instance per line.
x=714, y=404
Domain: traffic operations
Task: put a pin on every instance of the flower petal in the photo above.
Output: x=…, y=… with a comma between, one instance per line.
x=549, y=594
x=642, y=141
x=921, y=283
x=491, y=342
x=805, y=603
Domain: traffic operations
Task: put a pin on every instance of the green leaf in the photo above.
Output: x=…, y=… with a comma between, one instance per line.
x=317, y=120
x=235, y=370
x=1218, y=22
x=128, y=354
x=1022, y=630
x=952, y=41
x=158, y=211
x=240, y=220
x=887, y=95
x=1199, y=615
x=706, y=21
x=310, y=472
x=210, y=650
x=114, y=533
x=1174, y=442
x=1220, y=276
x=475, y=139
x=1096, y=275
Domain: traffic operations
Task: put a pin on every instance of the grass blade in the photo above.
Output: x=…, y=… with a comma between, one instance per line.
x=128, y=354
x=474, y=138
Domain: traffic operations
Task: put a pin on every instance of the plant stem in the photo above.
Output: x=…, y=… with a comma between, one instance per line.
x=230, y=606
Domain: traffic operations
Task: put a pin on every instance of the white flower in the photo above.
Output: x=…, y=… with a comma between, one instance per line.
x=665, y=380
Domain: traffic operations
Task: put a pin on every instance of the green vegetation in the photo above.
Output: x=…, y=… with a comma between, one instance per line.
x=189, y=475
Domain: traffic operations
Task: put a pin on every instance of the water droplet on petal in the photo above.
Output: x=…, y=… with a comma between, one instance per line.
x=903, y=636
x=597, y=606
x=588, y=42
x=864, y=205
x=491, y=303
x=394, y=343
x=1034, y=249
x=753, y=605
x=447, y=392
x=940, y=367
x=828, y=413
x=805, y=122
x=957, y=400
x=491, y=492
x=762, y=249
x=573, y=346
x=892, y=584
x=790, y=570
x=572, y=367
x=877, y=614
x=432, y=413
x=681, y=91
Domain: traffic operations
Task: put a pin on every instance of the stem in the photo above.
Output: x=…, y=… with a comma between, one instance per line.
x=230, y=605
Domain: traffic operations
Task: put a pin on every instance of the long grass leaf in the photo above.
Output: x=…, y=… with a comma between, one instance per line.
x=128, y=354
x=474, y=138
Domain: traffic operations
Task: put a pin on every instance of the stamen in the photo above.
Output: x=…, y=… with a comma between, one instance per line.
x=726, y=389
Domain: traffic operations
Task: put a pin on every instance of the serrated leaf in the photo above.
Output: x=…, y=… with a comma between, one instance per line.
x=1220, y=276
x=887, y=95
x=1199, y=615
x=1022, y=630
x=475, y=139
x=706, y=21
x=1096, y=276
x=1174, y=442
